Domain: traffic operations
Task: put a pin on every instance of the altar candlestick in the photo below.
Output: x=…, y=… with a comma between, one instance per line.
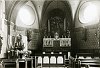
x=65, y=24
x=48, y=26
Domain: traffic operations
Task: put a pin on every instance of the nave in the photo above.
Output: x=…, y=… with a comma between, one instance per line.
x=49, y=34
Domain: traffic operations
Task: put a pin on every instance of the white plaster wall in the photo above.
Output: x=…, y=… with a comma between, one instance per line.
x=3, y=30
x=74, y=5
x=39, y=6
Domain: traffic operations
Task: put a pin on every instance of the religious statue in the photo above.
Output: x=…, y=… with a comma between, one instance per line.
x=56, y=35
x=19, y=43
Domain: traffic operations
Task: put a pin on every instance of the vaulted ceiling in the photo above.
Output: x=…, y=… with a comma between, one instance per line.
x=10, y=5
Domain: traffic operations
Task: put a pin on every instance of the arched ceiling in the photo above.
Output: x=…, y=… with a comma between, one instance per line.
x=64, y=6
x=9, y=6
x=12, y=13
x=53, y=5
x=57, y=10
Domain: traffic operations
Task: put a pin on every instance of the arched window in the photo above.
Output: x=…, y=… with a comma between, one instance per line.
x=26, y=15
x=88, y=13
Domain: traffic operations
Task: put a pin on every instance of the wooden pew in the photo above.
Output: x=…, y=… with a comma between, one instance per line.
x=88, y=62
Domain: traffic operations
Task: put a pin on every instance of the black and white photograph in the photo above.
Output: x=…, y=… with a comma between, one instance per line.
x=49, y=33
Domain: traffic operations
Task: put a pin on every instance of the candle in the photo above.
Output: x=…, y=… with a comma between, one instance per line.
x=48, y=26
x=65, y=24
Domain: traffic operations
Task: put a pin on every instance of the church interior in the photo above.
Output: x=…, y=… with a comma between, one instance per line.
x=49, y=34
